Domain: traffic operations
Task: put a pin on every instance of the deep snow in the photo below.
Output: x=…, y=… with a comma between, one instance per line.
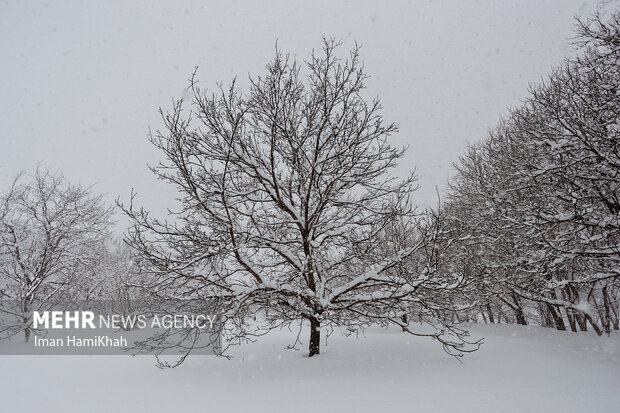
x=519, y=369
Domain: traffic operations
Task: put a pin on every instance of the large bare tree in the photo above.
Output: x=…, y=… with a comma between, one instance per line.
x=285, y=200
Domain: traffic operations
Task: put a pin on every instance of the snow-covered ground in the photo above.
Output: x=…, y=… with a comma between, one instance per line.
x=519, y=369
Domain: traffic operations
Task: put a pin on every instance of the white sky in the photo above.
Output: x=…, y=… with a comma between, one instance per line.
x=81, y=81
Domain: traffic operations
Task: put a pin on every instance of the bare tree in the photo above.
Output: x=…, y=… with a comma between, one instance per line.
x=51, y=233
x=285, y=198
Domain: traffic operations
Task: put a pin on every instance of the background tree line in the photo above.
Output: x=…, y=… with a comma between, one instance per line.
x=537, y=203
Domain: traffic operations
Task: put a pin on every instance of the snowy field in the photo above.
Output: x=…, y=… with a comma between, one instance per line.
x=519, y=369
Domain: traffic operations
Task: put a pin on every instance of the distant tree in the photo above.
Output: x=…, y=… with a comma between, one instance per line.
x=285, y=204
x=51, y=234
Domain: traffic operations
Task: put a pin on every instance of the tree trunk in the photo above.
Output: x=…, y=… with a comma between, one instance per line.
x=520, y=316
x=518, y=309
x=570, y=314
x=556, y=313
x=594, y=325
x=27, y=329
x=607, y=318
x=484, y=317
x=614, y=312
x=315, y=337
x=581, y=321
x=577, y=316
x=557, y=318
x=545, y=320
x=571, y=320
x=490, y=312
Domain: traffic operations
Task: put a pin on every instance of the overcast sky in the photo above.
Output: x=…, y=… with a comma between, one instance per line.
x=81, y=81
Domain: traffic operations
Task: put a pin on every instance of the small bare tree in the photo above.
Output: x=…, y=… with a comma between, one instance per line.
x=285, y=193
x=51, y=234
